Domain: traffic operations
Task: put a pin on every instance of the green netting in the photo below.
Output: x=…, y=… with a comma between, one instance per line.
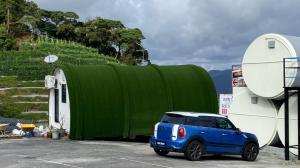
x=96, y=102
x=191, y=88
x=126, y=101
x=144, y=96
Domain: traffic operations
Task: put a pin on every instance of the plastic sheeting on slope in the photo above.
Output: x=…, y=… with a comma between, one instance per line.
x=126, y=101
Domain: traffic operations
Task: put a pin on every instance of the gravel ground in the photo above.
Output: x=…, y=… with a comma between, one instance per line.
x=43, y=153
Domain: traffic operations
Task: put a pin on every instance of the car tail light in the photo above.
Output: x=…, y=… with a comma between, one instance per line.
x=181, y=132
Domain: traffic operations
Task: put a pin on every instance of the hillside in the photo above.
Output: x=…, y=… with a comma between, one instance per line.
x=27, y=63
x=22, y=92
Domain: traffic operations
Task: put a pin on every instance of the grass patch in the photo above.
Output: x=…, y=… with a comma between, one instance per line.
x=8, y=81
x=32, y=116
x=27, y=99
x=31, y=107
x=12, y=110
x=6, y=95
x=9, y=110
x=12, y=92
x=31, y=84
x=11, y=81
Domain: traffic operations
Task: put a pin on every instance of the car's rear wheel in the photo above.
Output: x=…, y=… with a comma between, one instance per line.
x=250, y=152
x=161, y=152
x=194, y=150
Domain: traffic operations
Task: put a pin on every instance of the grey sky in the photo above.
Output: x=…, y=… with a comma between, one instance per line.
x=210, y=33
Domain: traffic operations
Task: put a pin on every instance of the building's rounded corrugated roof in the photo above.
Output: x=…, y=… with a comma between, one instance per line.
x=125, y=101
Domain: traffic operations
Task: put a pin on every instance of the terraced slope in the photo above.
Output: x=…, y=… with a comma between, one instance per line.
x=28, y=64
x=22, y=73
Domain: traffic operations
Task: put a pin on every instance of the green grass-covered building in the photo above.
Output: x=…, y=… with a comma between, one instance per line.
x=125, y=101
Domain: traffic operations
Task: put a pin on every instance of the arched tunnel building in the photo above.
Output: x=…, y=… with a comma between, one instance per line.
x=125, y=101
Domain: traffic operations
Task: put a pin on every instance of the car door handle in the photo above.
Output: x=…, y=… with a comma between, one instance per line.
x=202, y=132
x=224, y=134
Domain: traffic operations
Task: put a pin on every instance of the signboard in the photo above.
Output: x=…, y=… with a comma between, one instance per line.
x=237, y=76
x=235, y=82
x=224, y=103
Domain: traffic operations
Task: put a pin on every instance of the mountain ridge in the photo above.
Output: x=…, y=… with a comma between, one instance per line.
x=222, y=80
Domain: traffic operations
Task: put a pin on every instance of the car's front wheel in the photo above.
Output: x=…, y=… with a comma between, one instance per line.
x=250, y=152
x=161, y=152
x=194, y=150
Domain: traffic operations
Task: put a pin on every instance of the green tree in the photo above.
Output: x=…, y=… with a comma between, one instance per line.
x=98, y=33
x=71, y=17
x=58, y=24
x=128, y=44
x=12, y=11
x=30, y=22
x=6, y=42
x=66, y=31
x=21, y=18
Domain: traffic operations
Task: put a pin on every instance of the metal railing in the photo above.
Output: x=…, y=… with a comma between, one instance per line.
x=287, y=90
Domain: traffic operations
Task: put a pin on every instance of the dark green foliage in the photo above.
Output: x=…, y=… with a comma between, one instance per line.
x=125, y=101
x=6, y=41
x=24, y=19
x=66, y=31
x=47, y=28
x=2, y=11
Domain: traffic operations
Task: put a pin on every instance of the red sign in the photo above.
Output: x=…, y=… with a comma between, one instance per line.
x=235, y=82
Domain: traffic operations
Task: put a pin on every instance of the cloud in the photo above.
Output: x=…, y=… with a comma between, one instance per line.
x=210, y=33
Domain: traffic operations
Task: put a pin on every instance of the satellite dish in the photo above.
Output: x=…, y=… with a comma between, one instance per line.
x=51, y=59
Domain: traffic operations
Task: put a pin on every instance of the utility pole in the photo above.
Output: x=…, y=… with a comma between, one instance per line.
x=8, y=19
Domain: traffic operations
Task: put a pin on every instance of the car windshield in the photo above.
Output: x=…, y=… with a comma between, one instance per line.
x=173, y=118
x=224, y=123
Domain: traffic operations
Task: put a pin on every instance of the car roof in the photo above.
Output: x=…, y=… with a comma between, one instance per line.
x=194, y=114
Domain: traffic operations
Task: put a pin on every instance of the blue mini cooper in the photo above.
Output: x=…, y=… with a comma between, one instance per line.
x=197, y=134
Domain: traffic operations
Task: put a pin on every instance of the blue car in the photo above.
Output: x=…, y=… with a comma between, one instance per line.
x=197, y=134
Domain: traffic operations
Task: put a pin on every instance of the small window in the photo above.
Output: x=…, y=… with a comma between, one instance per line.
x=224, y=123
x=173, y=118
x=254, y=100
x=271, y=44
x=55, y=85
x=63, y=93
x=203, y=121
x=56, y=108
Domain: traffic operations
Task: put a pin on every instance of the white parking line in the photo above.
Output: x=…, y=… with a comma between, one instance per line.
x=58, y=163
x=49, y=161
x=145, y=163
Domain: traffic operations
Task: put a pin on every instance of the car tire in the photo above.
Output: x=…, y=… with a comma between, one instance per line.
x=250, y=152
x=161, y=152
x=194, y=150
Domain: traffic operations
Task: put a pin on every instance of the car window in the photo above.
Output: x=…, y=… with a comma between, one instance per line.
x=224, y=123
x=173, y=118
x=204, y=121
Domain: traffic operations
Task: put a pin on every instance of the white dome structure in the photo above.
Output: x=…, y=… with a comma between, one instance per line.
x=254, y=115
x=263, y=65
x=293, y=123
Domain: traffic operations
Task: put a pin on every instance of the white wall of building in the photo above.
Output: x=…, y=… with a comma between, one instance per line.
x=64, y=108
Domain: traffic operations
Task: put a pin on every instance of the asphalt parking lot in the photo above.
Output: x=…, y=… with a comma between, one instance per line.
x=45, y=153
